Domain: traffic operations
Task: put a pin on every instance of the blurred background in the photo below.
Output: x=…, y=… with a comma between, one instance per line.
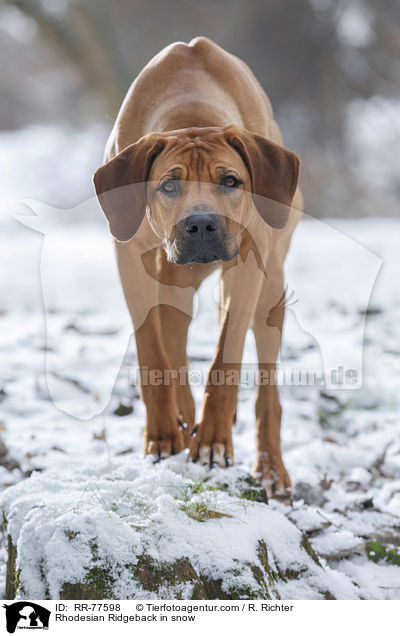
x=330, y=67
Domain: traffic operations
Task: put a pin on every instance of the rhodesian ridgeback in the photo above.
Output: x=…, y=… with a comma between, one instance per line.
x=196, y=178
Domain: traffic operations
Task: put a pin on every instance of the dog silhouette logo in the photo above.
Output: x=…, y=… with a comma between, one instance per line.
x=26, y=615
x=338, y=343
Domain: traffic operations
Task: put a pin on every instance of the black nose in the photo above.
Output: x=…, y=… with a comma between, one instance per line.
x=200, y=227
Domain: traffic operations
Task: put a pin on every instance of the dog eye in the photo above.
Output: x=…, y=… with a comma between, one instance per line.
x=229, y=181
x=169, y=187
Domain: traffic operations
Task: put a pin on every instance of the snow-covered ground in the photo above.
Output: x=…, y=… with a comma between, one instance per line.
x=341, y=447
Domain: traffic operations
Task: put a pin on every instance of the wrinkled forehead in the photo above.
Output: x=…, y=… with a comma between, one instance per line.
x=196, y=158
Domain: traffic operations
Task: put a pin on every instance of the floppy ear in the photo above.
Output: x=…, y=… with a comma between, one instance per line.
x=274, y=173
x=120, y=185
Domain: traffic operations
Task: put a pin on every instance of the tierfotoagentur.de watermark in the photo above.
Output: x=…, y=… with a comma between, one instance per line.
x=248, y=377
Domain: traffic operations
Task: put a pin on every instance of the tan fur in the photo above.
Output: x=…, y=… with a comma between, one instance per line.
x=183, y=92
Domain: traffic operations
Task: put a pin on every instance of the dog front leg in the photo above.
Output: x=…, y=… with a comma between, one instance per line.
x=240, y=289
x=269, y=468
x=163, y=436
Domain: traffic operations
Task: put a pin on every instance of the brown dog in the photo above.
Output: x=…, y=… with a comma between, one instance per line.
x=196, y=178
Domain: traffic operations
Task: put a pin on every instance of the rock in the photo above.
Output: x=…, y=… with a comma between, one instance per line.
x=11, y=582
x=132, y=529
x=123, y=409
x=154, y=576
x=3, y=448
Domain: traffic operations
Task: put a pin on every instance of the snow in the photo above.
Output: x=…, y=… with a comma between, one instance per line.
x=65, y=365
x=54, y=516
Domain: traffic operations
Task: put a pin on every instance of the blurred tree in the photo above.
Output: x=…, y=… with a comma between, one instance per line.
x=81, y=32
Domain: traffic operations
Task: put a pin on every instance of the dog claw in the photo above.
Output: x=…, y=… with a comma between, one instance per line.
x=284, y=495
x=267, y=485
x=183, y=425
x=204, y=455
x=218, y=453
x=194, y=430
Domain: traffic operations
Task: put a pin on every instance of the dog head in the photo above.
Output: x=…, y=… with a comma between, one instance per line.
x=195, y=185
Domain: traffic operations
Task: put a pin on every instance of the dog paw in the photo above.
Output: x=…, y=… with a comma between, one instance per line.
x=275, y=480
x=161, y=445
x=206, y=450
